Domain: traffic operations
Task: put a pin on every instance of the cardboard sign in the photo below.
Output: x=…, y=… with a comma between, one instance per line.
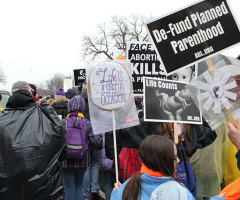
x=144, y=62
x=109, y=82
x=189, y=35
x=109, y=85
x=224, y=98
x=169, y=101
x=79, y=76
x=67, y=84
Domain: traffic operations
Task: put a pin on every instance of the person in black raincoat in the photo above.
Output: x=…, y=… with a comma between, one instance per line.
x=31, y=142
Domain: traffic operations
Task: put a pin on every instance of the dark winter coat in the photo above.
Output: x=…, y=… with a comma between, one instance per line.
x=238, y=159
x=129, y=137
x=60, y=106
x=31, y=141
x=201, y=136
x=21, y=99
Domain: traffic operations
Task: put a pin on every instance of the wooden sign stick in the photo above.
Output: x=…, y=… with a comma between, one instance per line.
x=227, y=112
x=175, y=128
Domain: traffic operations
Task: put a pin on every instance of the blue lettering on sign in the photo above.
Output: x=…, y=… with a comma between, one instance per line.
x=112, y=86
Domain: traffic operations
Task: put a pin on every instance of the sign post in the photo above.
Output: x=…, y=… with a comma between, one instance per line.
x=110, y=89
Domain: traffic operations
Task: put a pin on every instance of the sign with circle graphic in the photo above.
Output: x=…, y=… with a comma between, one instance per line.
x=109, y=85
x=217, y=90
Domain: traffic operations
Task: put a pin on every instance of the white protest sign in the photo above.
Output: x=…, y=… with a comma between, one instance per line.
x=109, y=86
x=219, y=90
x=67, y=84
x=111, y=99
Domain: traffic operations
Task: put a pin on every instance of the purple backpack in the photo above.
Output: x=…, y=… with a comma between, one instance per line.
x=76, y=141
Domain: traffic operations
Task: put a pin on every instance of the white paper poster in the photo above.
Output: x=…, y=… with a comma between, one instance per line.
x=110, y=86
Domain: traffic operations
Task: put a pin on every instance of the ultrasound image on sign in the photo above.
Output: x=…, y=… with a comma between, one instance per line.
x=169, y=101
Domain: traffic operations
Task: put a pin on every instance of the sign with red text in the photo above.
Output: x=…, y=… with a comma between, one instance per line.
x=110, y=85
x=144, y=62
x=194, y=33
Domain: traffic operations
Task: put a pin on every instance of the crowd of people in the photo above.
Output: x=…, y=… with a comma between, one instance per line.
x=40, y=159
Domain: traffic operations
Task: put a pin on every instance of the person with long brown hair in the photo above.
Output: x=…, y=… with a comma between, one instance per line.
x=190, y=136
x=159, y=161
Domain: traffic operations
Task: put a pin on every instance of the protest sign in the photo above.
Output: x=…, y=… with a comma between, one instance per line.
x=169, y=101
x=194, y=33
x=79, y=76
x=111, y=102
x=67, y=84
x=109, y=86
x=144, y=62
x=219, y=90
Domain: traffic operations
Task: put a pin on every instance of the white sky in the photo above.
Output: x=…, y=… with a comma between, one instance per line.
x=39, y=38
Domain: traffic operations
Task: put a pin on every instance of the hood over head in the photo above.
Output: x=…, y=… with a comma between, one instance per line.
x=76, y=104
x=21, y=98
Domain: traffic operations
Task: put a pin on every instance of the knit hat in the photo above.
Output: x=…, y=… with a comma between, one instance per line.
x=60, y=92
x=20, y=85
x=70, y=93
x=76, y=104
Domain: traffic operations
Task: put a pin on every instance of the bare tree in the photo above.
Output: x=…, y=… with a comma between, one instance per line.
x=110, y=40
x=41, y=89
x=53, y=84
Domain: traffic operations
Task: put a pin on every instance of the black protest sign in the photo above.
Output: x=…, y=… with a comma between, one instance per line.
x=194, y=33
x=144, y=62
x=169, y=101
x=79, y=76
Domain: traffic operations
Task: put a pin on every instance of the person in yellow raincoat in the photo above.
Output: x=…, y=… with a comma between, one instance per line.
x=208, y=165
x=1, y=108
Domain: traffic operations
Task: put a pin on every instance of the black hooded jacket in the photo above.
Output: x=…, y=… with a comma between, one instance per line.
x=20, y=99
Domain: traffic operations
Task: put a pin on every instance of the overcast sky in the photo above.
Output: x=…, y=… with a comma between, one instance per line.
x=39, y=38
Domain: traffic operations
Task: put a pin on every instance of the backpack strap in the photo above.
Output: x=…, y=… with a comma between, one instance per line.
x=82, y=121
x=70, y=121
